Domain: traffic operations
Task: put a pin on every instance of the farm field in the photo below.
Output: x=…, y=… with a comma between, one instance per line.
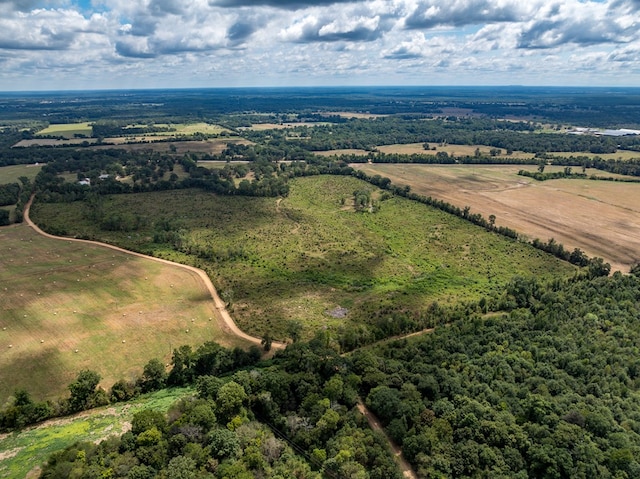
x=212, y=146
x=67, y=130
x=418, y=148
x=22, y=453
x=599, y=217
x=117, y=310
x=301, y=257
x=10, y=174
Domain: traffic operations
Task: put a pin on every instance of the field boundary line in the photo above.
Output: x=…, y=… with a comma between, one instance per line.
x=228, y=323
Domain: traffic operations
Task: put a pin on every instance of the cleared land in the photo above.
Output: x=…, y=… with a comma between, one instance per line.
x=212, y=146
x=599, y=217
x=300, y=257
x=10, y=174
x=117, y=310
x=67, y=130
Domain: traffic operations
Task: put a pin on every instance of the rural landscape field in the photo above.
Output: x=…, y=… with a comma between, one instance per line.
x=360, y=283
x=598, y=217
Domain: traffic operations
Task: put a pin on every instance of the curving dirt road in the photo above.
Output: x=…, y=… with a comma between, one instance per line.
x=228, y=323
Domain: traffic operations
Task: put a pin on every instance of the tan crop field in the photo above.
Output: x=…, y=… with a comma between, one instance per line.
x=600, y=217
x=67, y=306
x=212, y=146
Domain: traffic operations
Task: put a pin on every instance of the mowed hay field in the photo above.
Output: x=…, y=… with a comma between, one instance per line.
x=117, y=310
x=300, y=257
x=599, y=217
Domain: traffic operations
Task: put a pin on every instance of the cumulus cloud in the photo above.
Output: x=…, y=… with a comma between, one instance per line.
x=432, y=13
x=393, y=40
x=283, y=4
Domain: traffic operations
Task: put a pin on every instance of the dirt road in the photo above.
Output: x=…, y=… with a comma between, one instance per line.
x=228, y=323
x=374, y=423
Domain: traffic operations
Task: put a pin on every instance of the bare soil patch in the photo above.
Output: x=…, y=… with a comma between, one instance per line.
x=599, y=217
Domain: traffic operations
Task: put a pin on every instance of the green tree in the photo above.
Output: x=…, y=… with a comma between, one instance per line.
x=154, y=376
x=83, y=389
x=230, y=399
x=267, y=341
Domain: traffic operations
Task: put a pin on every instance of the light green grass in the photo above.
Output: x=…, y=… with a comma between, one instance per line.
x=118, y=311
x=67, y=130
x=29, y=449
x=296, y=258
x=10, y=174
x=185, y=129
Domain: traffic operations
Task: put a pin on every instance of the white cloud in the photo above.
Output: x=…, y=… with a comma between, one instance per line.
x=226, y=42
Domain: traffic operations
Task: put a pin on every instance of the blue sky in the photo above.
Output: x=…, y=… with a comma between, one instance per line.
x=96, y=44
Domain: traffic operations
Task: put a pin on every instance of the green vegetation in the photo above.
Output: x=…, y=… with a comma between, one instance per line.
x=532, y=370
x=278, y=260
x=12, y=174
x=24, y=450
x=549, y=389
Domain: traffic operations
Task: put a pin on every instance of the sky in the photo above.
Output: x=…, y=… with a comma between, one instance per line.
x=132, y=44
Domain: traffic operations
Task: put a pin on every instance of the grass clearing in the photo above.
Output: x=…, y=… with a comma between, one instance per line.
x=297, y=258
x=599, y=217
x=10, y=174
x=67, y=130
x=26, y=450
x=118, y=311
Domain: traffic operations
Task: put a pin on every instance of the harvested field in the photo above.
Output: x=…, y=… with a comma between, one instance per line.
x=599, y=217
x=53, y=142
x=67, y=306
x=213, y=147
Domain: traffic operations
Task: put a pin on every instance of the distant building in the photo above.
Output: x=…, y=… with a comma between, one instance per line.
x=85, y=182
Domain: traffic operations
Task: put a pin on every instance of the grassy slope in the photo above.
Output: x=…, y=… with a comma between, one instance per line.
x=27, y=449
x=77, y=296
x=298, y=257
x=10, y=174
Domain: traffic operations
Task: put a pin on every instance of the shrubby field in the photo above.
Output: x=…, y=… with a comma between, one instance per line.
x=299, y=258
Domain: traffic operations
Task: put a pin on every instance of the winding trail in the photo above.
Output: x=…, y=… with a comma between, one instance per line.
x=228, y=324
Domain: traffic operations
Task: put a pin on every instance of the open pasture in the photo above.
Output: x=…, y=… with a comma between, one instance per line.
x=67, y=130
x=116, y=310
x=599, y=217
x=11, y=174
x=300, y=257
